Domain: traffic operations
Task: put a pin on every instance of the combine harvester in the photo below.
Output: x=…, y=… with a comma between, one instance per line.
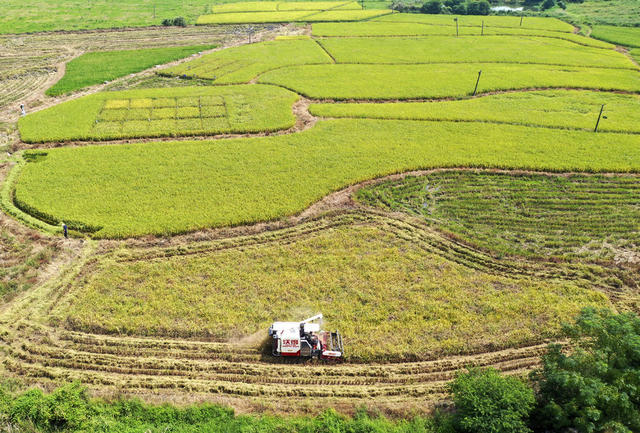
x=305, y=340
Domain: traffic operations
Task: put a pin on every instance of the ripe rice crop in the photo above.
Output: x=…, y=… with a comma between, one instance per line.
x=345, y=81
x=499, y=49
x=561, y=109
x=593, y=217
x=256, y=6
x=368, y=280
x=319, y=5
x=130, y=190
x=252, y=17
x=98, y=66
x=539, y=23
x=241, y=64
x=626, y=36
x=273, y=6
x=163, y=112
x=383, y=28
x=347, y=15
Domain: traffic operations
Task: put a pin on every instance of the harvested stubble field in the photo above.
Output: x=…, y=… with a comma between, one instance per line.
x=455, y=257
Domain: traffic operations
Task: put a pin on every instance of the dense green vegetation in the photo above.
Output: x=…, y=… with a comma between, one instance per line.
x=368, y=281
x=626, y=36
x=489, y=49
x=344, y=81
x=594, y=12
x=69, y=409
x=562, y=109
x=241, y=64
x=534, y=215
x=246, y=180
x=97, y=67
x=163, y=112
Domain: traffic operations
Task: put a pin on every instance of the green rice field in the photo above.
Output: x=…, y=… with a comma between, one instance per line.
x=592, y=217
x=163, y=112
x=626, y=36
x=241, y=181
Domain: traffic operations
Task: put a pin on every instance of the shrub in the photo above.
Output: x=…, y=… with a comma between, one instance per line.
x=595, y=387
x=547, y=4
x=562, y=5
x=460, y=9
x=481, y=7
x=431, y=7
x=487, y=402
x=178, y=21
x=404, y=6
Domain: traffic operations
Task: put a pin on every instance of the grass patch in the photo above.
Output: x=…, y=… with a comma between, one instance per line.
x=367, y=281
x=562, y=109
x=131, y=190
x=499, y=49
x=611, y=12
x=539, y=23
x=99, y=66
x=241, y=64
x=163, y=112
x=590, y=217
x=343, y=81
x=626, y=36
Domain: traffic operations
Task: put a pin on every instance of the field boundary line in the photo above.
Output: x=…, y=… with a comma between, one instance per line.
x=322, y=47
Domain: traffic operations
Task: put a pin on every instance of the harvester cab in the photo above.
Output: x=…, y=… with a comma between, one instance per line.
x=305, y=339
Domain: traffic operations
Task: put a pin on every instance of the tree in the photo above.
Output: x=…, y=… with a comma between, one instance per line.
x=481, y=7
x=487, y=402
x=431, y=7
x=547, y=4
x=460, y=9
x=596, y=387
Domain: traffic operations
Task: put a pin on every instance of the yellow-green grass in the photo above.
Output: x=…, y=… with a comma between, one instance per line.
x=635, y=53
x=99, y=66
x=347, y=15
x=273, y=6
x=499, y=49
x=175, y=111
x=383, y=28
x=345, y=81
x=252, y=17
x=318, y=5
x=168, y=188
x=589, y=217
x=291, y=16
x=627, y=36
x=489, y=21
x=241, y=64
x=389, y=297
x=558, y=108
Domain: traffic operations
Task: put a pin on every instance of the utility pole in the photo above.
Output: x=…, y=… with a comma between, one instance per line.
x=154, y=11
x=521, y=17
x=456, y=20
x=599, y=116
x=482, y=32
x=477, y=81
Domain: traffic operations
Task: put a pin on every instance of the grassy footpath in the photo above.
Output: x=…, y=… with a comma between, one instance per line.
x=130, y=190
x=99, y=66
x=592, y=217
x=163, y=112
x=367, y=280
x=562, y=109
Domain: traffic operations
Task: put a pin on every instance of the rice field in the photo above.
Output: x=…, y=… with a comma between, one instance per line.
x=242, y=64
x=447, y=80
x=626, y=36
x=552, y=108
x=202, y=110
x=589, y=217
x=266, y=178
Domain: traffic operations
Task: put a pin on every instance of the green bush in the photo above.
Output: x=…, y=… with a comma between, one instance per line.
x=547, y=4
x=595, y=388
x=487, y=402
x=481, y=7
x=431, y=7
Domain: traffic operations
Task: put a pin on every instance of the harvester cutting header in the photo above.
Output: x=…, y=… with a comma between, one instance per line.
x=305, y=340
